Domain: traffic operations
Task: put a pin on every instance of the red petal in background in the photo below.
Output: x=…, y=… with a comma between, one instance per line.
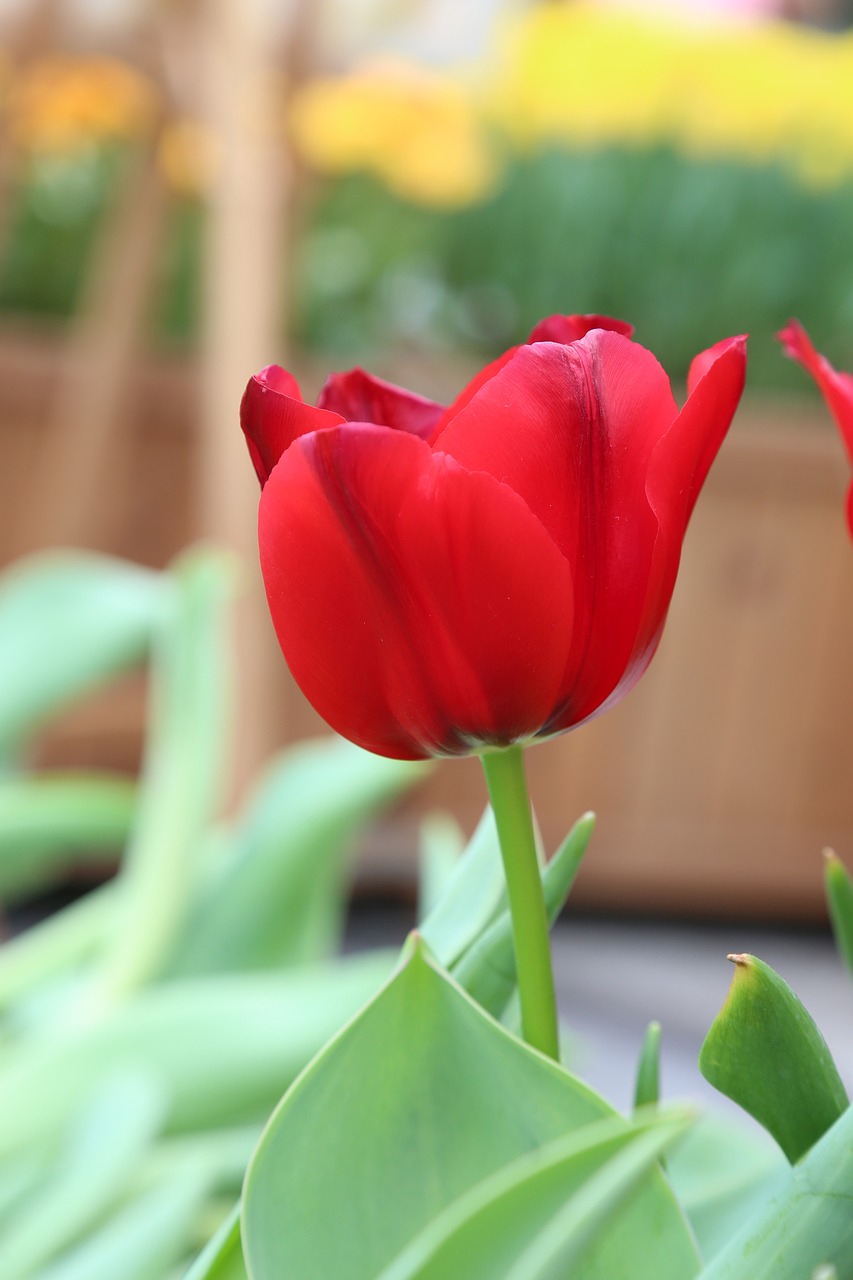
x=359, y=397
x=573, y=328
x=557, y=328
x=836, y=387
x=422, y=609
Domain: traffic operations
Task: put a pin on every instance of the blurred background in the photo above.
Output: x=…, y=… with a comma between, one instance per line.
x=192, y=189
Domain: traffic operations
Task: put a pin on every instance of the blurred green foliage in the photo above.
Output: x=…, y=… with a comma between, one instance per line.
x=148, y=1028
x=690, y=251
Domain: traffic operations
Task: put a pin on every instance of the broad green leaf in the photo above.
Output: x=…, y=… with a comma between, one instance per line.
x=472, y=898
x=545, y=1209
x=805, y=1225
x=279, y=899
x=45, y=820
x=223, y=1257
x=723, y=1173
x=765, y=1052
x=181, y=774
x=442, y=845
x=225, y=1048
x=68, y=621
x=647, y=1085
x=839, y=897
x=419, y=1099
x=487, y=968
x=98, y=1162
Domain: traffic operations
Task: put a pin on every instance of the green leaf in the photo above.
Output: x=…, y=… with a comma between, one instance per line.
x=46, y=820
x=224, y=1048
x=142, y=1239
x=472, y=898
x=68, y=621
x=647, y=1086
x=723, y=1174
x=279, y=899
x=181, y=776
x=487, y=968
x=765, y=1052
x=101, y=1155
x=839, y=897
x=223, y=1257
x=51, y=949
x=442, y=845
x=806, y=1225
x=545, y=1209
x=419, y=1099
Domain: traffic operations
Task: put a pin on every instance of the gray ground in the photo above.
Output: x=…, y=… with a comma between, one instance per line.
x=615, y=977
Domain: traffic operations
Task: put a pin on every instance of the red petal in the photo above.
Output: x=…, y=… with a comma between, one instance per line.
x=573, y=328
x=715, y=385
x=359, y=397
x=677, y=470
x=422, y=609
x=555, y=328
x=566, y=426
x=837, y=388
x=571, y=429
x=468, y=392
x=273, y=414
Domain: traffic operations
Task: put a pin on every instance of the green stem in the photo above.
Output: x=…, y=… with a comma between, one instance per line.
x=507, y=786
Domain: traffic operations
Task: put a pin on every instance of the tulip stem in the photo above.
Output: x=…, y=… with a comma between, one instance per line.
x=507, y=786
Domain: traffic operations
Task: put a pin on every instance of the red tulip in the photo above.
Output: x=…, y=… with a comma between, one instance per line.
x=444, y=580
x=837, y=388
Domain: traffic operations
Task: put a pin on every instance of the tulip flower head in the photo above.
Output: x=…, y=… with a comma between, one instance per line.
x=836, y=388
x=445, y=580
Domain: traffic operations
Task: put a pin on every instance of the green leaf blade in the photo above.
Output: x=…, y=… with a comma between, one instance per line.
x=806, y=1225
x=765, y=1053
x=222, y=1259
x=839, y=897
x=69, y=620
x=647, y=1086
x=545, y=1208
x=418, y=1100
x=278, y=900
x=486, y=969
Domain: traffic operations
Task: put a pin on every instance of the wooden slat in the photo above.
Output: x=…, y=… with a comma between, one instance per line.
x=242, y=333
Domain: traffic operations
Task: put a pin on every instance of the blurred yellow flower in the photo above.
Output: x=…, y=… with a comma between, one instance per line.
x=417, y=130
x=188, y=155
x=592, y=75
x=62, y=103
x=573, y=74
x=585, y=74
